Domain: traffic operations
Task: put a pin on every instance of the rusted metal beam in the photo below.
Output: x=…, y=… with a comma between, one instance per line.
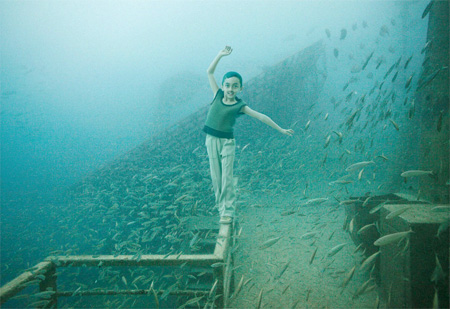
x=47, y=268
x=132, y=261
x=19, y=283
x=130, y=292
x=49, y=284
x=221, y=250
x=223, y=241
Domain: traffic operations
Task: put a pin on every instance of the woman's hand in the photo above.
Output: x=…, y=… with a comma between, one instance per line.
x=226, y=51
x=287, y=132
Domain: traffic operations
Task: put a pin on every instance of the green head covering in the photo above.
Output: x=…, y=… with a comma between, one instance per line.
x=232, y=74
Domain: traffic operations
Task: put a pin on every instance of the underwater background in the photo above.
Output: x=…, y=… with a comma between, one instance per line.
x=102, y=105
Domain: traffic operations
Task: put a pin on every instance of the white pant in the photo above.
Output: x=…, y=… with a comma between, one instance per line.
x=221, y=152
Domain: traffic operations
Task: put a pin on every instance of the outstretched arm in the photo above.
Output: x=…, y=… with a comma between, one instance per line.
x=266, y=119
x=212, y=67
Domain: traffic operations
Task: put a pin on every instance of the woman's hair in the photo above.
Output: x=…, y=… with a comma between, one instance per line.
x=232, y=74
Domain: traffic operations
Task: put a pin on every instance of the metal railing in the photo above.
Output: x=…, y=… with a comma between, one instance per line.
x=44, y=273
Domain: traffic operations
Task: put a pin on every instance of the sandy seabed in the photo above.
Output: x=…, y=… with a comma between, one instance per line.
x=303, y=283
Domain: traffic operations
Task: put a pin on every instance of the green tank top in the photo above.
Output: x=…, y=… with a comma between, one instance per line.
x=222, y=117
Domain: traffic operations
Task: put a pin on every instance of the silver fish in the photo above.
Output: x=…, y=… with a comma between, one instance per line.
x=269, y=243
x=336, y=249
x=397, y=212
x=358, y=166
x=413, y=173
x=427, y=9
x=391, y=238
x=369, y=261
x=318, y=200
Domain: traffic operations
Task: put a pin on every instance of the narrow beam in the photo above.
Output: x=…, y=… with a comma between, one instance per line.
x=131, y=260
x=130, y=292
x=22, y=281
x=223, y=241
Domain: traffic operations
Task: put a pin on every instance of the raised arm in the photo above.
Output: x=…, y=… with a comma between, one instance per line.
x=266, y=119
x=212, y=67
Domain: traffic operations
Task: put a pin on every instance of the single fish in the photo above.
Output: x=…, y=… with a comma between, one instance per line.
x=219, y=264
x=327, y=141
x=427, y=9
x=346, y=86
x=384, y=31
x=44, y=295
x=308, y=235
x=358, y=248
x=407, y=62
x=408, y=82
x=389, y=71
x=340, y=135
x=336, y=249
x=307, y=125
x=213, y=288
x=239, y=287
x=285, y=289
x=313, y=256
x=397, y=212
x=347, y=202
x=391, y=238
x=258, y=305
x=379, y=63
x=360, y=174
x=324, y=159
x=366, y=201
x=269, y=243
x=413, y=173
x=394, y=77
x=435, y=299
x=288, y=213
x=340, y=182
x=318, y=200
x=191, y=301
x=327, y=31
x=438, y=273
x=351, y=226
x=361, y=289
x=343, y=33
x=441, y=208
x=349, y=96
x=430, y=77
x=245, y=147
x=412, y=109
x=368, y=262
x=358, y=166
x=378, y=207
x=76, y=291
x=367, y=61
x=349, y=121
x=382, y=156
x=395, y=124
x=283, y=269
x=348, y=277
x=365, y=228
